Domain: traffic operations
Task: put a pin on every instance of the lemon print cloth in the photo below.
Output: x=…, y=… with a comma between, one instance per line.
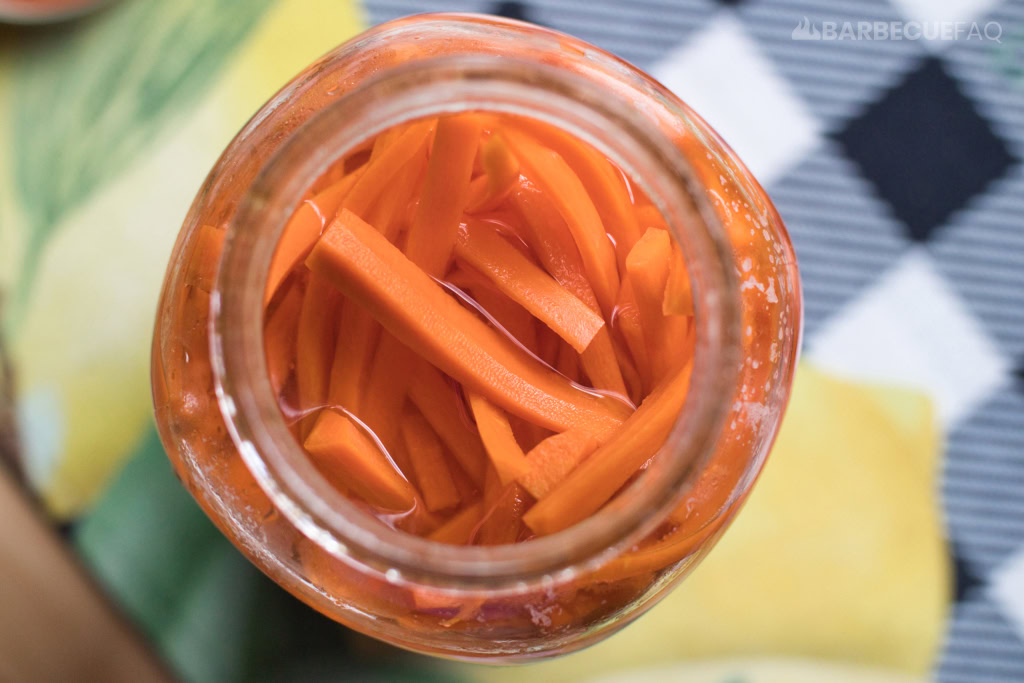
x=835, y=570
x=108, y=126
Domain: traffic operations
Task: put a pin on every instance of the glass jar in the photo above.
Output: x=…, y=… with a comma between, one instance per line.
x=220, y=422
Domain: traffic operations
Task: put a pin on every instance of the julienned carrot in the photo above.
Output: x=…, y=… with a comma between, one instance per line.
x=428, y=463
x=648, y=216
x=627, y=320
x=503, y=511
x=602, y=181
x=678, y=296
x=506, y=456
x=468, y=490
x=408, y=303
x=568, y=363
x=501, y=171
x=550, y=239
x=459, y=529
x=527, y=434
x=558, y=181
x=480, y=245
x=597, y=478
x=303, y=228
x=358, y=334
x=314, y=345
x=515, y=319
x=437, y=400
x=647, y=265
x=634, y=384
x=378, y=175
x=346, y=455
x=279, y=336
x=429, y=245
x=554, y=458
x=389, y=212
x=435, y=226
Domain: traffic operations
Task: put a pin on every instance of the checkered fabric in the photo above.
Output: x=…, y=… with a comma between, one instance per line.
x=896, y=165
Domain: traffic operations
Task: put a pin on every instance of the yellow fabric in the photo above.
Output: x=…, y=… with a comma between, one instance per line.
x=838, y=555
x=81, y=348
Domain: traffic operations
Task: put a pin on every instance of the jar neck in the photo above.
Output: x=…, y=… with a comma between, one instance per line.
x=432, y=87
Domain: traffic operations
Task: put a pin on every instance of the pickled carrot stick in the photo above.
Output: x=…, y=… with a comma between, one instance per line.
x=314, y=345
x=597, y=478
x=634, y=385
x=558, y=181
x=435, y=226
x=429, y=468
x=506, y=456
x=303, y=228
x=503, y=511
x=279, y=336
x=480, y=245
x=527, y=434
x=603, y=182
x=437, y=400
x=378, y=174
x=408, y=303
x=554, y=458
x=648, y=216
x=384, y=140
x=430, y=244
x=468, y=490
x=516, y=320
x=647, y=265
x=459, y=529
x=501, y=171
x=344, y=453
x=358, y=334
x=568, y=363
x=678, y=296
x=627, y=320
x=551, y=240
x=389, y=213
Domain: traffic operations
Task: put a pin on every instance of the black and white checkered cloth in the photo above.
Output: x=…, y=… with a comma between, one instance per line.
x=896, y=165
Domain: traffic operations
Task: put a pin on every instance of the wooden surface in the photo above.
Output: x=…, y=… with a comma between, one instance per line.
x=54, y=623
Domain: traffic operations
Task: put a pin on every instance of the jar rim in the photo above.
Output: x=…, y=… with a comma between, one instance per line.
x=429, y=87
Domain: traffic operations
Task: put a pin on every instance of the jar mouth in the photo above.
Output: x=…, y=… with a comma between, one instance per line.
x=431, y=87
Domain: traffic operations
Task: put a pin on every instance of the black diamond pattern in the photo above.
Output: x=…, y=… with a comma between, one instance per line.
x=965, y=580
x=512, y=10
x=926, y=148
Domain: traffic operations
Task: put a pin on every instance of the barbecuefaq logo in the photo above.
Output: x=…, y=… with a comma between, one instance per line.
x=897, y=30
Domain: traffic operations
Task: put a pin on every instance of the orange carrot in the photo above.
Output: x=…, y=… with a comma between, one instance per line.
x=440, y=405
x=527, y=434
x=459, y=529
x=597, y=478
x=389, y=213
x=480, y=245
x=378, y=174
x=303, y=228
x=467, y=489
x=554, y=458
x=603, y=182
x=627, y=321
x=516, y=320
x=678, y=297
x=428, y=463
x=503, y=511
x=314, y=342
x=568, y=363
x=648, y=216
x=550, y=239
x=499, y=441
x=279, y=336
x=501, y=171
x=358, y=334
x=647, y=265
x=345, y=454
x=407, y=302
x=558, y=181
x=430, y=243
